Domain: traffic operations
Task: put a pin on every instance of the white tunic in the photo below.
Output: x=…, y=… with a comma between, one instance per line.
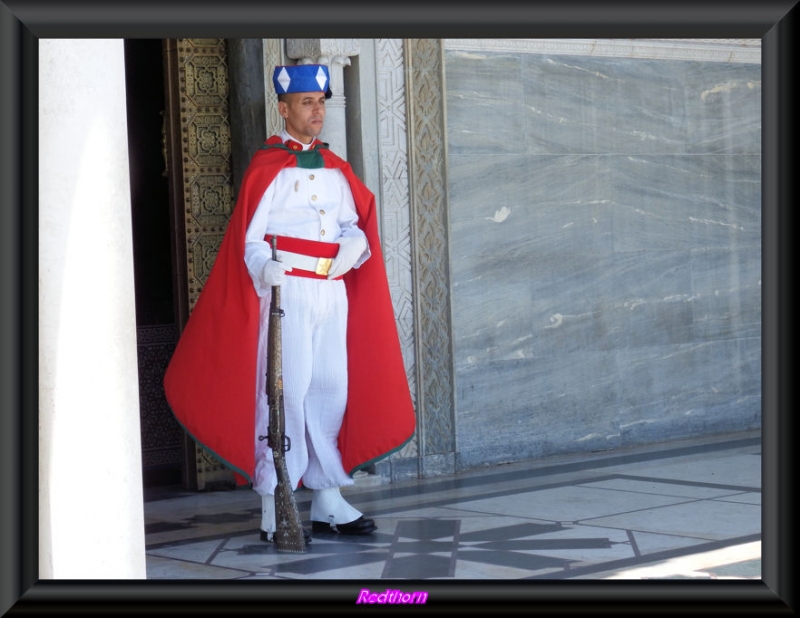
x=314, y=204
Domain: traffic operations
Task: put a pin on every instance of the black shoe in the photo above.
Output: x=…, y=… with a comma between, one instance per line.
x=360, y=526
x=264, y=536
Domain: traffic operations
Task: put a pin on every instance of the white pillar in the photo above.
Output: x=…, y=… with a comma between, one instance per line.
x=335, y=54
x=91, y=519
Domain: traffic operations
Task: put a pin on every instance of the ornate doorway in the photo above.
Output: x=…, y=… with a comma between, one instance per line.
x=181, y=199
x=197, y=148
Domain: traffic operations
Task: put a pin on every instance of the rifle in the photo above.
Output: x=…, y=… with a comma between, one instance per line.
x=289, y=530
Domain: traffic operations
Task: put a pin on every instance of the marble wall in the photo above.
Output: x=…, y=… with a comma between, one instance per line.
x=605, y=236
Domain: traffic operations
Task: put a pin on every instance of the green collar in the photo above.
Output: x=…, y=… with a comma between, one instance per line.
x=306, y=159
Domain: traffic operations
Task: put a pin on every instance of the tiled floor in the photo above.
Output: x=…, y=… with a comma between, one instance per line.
x=678, y=510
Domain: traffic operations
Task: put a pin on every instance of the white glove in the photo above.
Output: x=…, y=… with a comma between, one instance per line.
x=274, y=273
x=351, y=248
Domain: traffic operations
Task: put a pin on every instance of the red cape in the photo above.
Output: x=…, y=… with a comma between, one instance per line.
x=210, y=380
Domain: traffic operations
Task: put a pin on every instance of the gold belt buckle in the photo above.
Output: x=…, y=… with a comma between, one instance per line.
x=323, y=266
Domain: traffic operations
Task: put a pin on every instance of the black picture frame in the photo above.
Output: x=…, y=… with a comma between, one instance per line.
x=24, y=22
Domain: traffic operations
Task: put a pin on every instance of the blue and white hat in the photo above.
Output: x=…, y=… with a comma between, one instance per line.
x=302, y=78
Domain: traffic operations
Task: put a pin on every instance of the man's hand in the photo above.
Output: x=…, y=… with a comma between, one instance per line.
x=351, y=248
x=274, y=273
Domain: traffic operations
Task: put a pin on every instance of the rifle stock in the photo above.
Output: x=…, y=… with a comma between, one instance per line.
x=288, y=535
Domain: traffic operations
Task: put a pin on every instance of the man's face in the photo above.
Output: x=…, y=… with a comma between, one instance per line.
x=304, y=113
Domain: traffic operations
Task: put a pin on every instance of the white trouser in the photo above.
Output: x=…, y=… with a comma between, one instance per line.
x=314, y=334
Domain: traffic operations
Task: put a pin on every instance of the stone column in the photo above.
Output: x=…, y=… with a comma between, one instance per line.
x=335, y=54
x=91, y=517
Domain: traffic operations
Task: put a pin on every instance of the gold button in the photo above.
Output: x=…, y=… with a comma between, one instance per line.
x=313, y=198
x=322, y=212
x=311, y=177
x=322, y=233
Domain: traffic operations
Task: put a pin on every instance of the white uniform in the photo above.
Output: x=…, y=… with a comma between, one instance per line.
x=313, y=204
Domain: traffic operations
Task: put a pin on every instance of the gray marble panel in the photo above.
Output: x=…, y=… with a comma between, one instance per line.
x=686, y=202
x=748, y=375
x=546, y=204
x=604, y=105
x=502, y=102
x=723, y=108
x=594, y=401
x=605, y=240
x=668, y=392
x=485, y=104
x=523, y=409
x=632, y=105
x=526, y=244
x=640, y=299
x=726, y=291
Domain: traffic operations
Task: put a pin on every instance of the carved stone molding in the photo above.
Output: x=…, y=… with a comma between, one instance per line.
x=706, y=50
x=427, y=172
x=395, y=217
x=323, y=51
x=273, y=56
